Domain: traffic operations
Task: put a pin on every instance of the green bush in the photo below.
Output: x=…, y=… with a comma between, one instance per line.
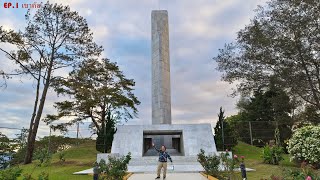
x=229, y=164
x=18, y=157
x=272, y=154
x=62, y=158
x=209, y=163
x=302, y=173
x=304, y=145
x=274, y=177
x=43, y=156
x=27, y=176
x=10, y=173
x=57, y=143
x=115, y=169
x=43, y=176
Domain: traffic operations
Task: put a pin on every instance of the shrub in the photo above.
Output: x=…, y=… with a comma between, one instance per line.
x=10, y=173
x=43, y=156
x=209, y=163
x=304, y=145
x=229, y=164
x=43, y=176
x=58, y=143
x=62, y=158
x=272, y=154
x=304, y=173
x=274, y=177
x=19, y=156
x=115, y=169
x=27, y=176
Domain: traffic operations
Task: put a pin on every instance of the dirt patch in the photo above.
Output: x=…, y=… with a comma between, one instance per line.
x=76, y=163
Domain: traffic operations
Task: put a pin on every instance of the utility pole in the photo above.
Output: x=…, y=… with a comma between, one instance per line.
x=222, y=132
x=105, y=137
x=250, y=129
x=78, y=133
x=77, y=130
x=49, y=142
x=22, y=138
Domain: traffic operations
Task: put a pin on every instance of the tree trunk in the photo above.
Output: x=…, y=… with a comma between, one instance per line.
x=35, y=104
x=34, y=130
x=95, y=122
x=103, y=123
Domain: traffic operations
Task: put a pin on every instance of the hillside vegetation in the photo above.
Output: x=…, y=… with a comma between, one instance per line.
x=77, y=158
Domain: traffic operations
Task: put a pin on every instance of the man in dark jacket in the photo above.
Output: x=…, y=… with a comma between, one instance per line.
x=95, y=171
x=163, y=156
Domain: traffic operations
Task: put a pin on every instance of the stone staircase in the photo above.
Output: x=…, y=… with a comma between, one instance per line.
x=153, y=152
x=149, y=164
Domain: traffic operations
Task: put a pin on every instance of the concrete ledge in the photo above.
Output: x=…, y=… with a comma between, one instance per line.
x=90, y=172
x=87, y=171
x=208, y=176
x=127, y=176
x=105, y=156
x=171, y=169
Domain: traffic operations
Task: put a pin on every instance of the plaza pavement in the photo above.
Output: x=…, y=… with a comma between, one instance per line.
x=170, y=176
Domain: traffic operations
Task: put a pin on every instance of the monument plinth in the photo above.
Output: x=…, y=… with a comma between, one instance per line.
x=183, y=141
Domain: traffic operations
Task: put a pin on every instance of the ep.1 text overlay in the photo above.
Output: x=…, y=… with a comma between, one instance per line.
x=17, y=5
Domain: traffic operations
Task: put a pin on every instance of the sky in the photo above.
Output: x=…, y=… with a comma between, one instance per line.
x=197, y=29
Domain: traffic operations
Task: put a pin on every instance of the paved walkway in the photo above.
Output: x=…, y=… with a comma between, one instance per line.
x=170, y=176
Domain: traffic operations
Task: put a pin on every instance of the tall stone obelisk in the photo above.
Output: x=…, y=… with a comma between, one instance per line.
x=161, y=97
x=184, y=140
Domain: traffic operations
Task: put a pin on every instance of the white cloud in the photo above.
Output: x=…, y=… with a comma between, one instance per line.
x=197, y=30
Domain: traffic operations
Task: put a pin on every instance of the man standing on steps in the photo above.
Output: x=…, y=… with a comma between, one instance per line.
x=163, y=156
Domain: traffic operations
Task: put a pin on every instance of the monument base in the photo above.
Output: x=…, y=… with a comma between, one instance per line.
x=191, y=138
x=183, y=142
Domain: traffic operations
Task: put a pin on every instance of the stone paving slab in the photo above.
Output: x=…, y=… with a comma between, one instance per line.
x=170, y=176
x=87, y=171
x=171, y=168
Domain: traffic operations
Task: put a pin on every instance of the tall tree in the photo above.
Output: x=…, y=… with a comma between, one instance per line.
x=219, y=131
x=272, y=104
x=5, y=146
x=101, y=93
x=266, y=109
x=281, y=41
x=224, y=135
x=55, y=37
x=105, y=135
x=310, y=115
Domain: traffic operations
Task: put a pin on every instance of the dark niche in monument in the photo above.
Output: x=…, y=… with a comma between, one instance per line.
x=173, y=140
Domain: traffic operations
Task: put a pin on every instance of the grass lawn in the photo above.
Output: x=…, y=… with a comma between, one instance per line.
x=83, y=156
x=253, y=160
x=78, y=158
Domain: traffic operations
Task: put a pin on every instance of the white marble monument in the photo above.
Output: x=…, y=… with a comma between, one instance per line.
x=183, y=141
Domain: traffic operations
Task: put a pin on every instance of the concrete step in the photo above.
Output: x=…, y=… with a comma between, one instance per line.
x=170, y=169
x=176, y=158
x=170, y=176
x=156, y=162
x=153, y=161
